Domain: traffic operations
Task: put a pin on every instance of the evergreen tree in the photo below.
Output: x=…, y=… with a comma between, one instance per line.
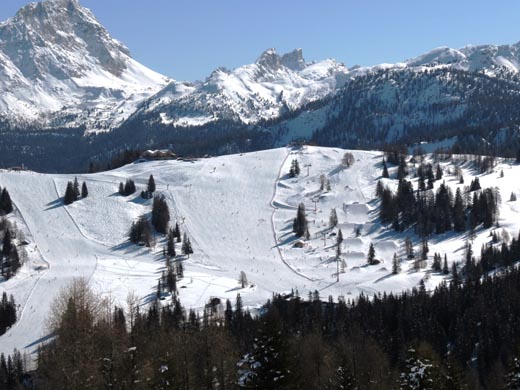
x=339, y=240
x=160, y=214
x=385, y=170
x=396, y=266
x=408, y=247
x=171, y=281
x=475, y=185
x=300, y=222
x=343, y=379
x=186, y=245
x=84, y=190
x=437, y=263
x=141, y=232
x=128, y=188
x=6, y=206
x=333, y=218
x=348, y=159
x=419, y=373
x=401, y=169
x=323, y=182
x=295, y=168
x=438, y=172
x=265, y=366
x=70, y=194
x=77, y=192
x=151, y=185
x=371, y=256
x=379, y=189
x=459, y=219
x=512, y=378
x=445, y=269
x=177, y=231
x=170, y=245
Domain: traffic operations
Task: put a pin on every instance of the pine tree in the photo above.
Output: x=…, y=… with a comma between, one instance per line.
x=438, y=172
x=419, y=373
x=6, y=205
x=186, y=245
x=339, y=240
x=170, y=245
x=265, y=365
x=171, y=281
x=333, y=218
x=371, y=256
x=77, y=192
x=295, y=168
x=437, y=264
x=475, y=185
x=396, y=267
x=300, y=222
x=348, y=159
x=141, y=232
x=385, y=170
x=425, y=249
x=7, y=243
x=160, y=214
x=343, y=379
x=323, y=182
x=379, y=189
x=128, y=188
x=512, y=378
x=408, y=246
x=459, y=219
x=70, y=194
x=445, y=269
x=177, y=231
x=151, y=185
x=84, y=190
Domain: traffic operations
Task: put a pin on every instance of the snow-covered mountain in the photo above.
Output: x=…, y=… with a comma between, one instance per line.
x=265, y=90
x=487, y=58
x=60, y=67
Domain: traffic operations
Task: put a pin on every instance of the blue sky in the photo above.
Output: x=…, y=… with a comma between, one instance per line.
x=186, y=39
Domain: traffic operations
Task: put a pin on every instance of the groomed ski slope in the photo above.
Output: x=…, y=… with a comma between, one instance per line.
x=238, y=212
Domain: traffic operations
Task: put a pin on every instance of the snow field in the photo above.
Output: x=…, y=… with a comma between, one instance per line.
x=238, y=212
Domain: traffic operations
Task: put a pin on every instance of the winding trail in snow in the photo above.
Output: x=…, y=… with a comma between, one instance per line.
x=275, y=208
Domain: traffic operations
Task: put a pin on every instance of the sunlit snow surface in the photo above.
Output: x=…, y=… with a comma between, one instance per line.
x=238, y=212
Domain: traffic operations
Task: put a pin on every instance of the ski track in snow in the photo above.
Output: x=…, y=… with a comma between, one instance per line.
x=275, y=208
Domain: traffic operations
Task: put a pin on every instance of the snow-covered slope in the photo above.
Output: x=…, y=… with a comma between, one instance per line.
x=486, y=58
x=238, y=212
x=268, y=88
x=60, y=67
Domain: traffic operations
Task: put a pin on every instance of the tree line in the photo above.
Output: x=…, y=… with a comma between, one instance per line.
x=438, y=212
x=7, y=312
